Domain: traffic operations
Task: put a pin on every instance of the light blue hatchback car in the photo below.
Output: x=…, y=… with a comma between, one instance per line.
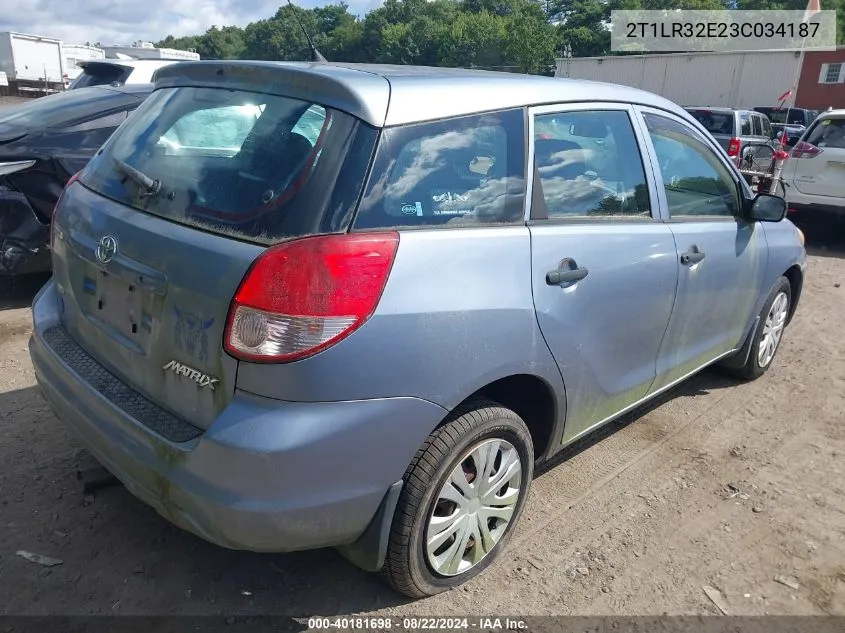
x=303, y=305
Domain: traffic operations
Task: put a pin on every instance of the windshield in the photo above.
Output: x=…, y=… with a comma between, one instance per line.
x=66, y=108
x=249, y=165
x=715, y=122
x=797, y=116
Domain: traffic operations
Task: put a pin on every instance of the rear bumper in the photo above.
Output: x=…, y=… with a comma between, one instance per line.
x=267, y=475
x=805, y=203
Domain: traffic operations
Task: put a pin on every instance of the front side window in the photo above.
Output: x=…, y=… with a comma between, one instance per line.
x=767, y=127
x=249, y=165
x=464, y=171
x=589, y=165
x=697, y=183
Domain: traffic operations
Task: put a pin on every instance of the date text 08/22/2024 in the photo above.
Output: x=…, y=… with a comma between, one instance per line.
x=417, y=623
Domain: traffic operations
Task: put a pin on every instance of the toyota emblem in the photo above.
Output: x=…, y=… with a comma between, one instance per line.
x=106, y=249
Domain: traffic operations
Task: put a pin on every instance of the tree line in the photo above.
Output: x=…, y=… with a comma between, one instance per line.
x=514, y=35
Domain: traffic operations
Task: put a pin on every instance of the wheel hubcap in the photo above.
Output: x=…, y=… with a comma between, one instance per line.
x=474, y=507
x=773, y=330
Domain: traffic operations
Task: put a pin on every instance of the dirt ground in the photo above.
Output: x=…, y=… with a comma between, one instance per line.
x=722, y=485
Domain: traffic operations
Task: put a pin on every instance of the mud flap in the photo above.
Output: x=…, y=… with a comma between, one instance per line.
x=24, y=239
x=739, y=359
x=370, y=550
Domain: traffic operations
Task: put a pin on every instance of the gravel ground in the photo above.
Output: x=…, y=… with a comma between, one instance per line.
x=723, y=485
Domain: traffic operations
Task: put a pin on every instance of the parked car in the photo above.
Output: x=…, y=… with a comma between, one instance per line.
x=369, y=339
x=797, y=116
x=815, y=171
x=118, y=72
x=42, y=143
x=787, y=135
x=744, y=134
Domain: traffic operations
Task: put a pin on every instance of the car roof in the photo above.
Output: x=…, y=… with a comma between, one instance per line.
x=384, y=95
x=832, y=114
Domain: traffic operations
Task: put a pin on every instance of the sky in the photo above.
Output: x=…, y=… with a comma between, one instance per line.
x=126, y=21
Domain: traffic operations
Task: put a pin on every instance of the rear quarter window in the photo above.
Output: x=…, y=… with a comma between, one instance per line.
x=456, y=172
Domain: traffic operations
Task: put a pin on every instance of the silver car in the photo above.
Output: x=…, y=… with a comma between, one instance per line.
x=302, y=305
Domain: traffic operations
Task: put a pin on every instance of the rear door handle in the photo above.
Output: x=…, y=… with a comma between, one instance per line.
x=567, y=272
x=692, y=256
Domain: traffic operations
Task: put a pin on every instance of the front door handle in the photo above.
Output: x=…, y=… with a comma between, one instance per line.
x=692, y=256
x=567, y=272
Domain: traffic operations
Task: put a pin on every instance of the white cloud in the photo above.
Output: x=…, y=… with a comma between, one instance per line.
x=125, y=21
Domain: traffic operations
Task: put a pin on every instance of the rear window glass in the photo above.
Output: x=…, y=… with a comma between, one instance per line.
x=67, y=108
x=715, y=122
x=461, y=171
x=249, y=165
x=101, y=75
x=828, y=133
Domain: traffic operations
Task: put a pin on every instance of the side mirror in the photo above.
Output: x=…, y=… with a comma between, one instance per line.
x=767, y=208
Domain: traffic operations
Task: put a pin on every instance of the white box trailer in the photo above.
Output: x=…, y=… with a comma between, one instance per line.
x=75, y=53
x=31, y=60
x=734, y=80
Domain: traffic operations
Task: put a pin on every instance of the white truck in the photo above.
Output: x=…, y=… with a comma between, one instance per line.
x=32, y=63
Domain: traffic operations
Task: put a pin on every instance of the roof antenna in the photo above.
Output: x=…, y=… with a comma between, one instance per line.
x=316, y=56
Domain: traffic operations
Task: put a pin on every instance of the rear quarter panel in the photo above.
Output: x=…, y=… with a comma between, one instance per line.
x=456, y=314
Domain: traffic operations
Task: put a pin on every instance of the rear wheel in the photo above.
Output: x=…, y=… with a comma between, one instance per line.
x=464, y=492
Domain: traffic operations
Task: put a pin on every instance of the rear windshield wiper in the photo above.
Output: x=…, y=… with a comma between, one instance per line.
x=149, y=185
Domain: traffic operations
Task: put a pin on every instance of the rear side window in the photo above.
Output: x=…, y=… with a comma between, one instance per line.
x=588, y=164
x=745, y=128
x=251, y=166
x=757, y=125
x=767, y=127
x=828, y=133
x=461, y=171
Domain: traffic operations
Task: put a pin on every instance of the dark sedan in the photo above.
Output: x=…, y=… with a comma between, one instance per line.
x=42, y=144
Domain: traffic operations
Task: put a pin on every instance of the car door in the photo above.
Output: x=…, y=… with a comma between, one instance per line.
x=721, y=258
x=603, y=263
x=818, y=163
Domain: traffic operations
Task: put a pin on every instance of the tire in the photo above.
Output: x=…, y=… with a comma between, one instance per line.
x=774, y=314
x=409, y=566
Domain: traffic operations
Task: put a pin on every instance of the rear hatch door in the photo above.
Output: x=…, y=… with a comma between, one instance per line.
x=156, y=236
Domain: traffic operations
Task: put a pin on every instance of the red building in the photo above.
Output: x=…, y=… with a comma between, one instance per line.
x=822, y=81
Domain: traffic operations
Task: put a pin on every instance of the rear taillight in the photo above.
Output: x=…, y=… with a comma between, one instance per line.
x=733, y=146
x=300, y=297
x=70, y=181
x=803, y=149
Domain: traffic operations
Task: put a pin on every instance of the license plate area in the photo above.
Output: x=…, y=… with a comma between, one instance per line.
x=120, y=307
